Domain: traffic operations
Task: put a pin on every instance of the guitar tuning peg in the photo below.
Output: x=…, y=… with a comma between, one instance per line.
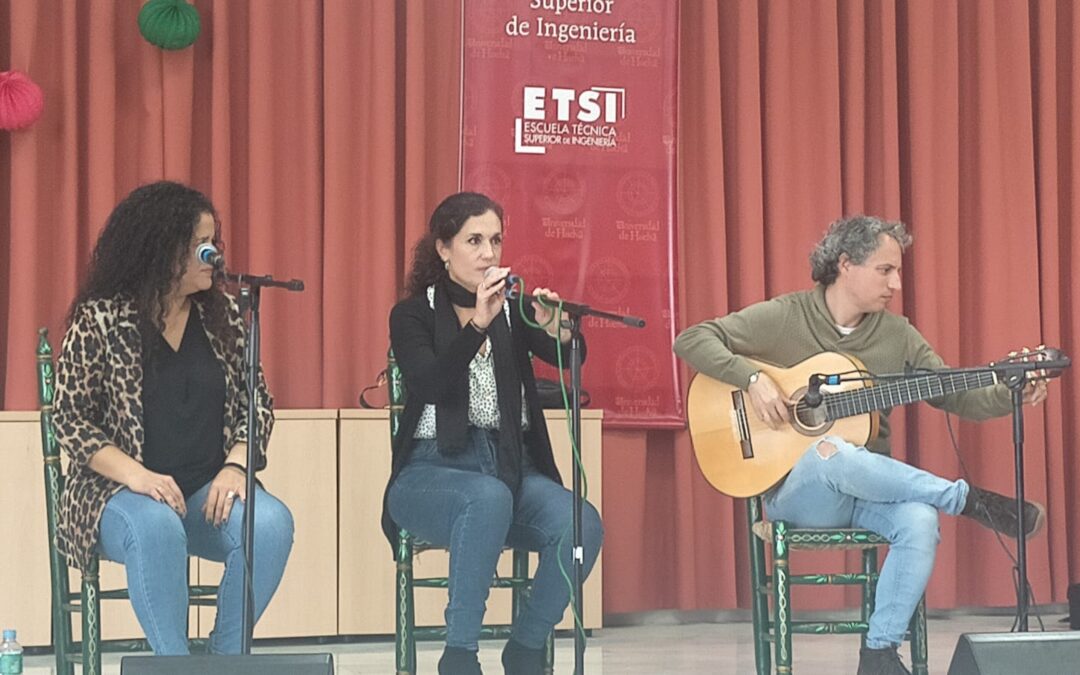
x=1012, y=355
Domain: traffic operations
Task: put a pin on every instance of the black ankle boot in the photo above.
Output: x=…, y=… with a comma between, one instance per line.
x=881, y=662
x=459, y=661
x=517, y=659
x=998, y=512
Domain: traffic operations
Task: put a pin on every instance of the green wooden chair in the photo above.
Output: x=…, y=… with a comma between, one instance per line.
x=87, y=602
x=406, y=632
x=775, y=631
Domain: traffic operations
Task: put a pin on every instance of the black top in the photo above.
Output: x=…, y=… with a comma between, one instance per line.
x=431, y=378
x=184, y=408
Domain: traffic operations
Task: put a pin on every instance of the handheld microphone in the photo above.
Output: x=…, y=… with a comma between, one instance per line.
x=512, y=283
x=208, y=254
x=813, y=396
x=512, y=280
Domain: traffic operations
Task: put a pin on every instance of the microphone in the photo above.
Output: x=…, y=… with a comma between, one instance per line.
x=515, y=289
x=512, y=283
x=512, y=280
x=209, y=255
x=813, y=396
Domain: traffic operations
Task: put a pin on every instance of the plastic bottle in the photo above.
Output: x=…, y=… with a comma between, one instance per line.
x=10, y=654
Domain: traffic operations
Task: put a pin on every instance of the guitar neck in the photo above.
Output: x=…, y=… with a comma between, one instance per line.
x=843, y=404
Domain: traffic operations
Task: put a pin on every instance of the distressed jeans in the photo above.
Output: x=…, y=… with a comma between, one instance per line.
x=858, y=488
x=153, y=543
x=458, y=502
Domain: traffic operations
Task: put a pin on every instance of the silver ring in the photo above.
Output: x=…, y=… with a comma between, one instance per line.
x=230, y=494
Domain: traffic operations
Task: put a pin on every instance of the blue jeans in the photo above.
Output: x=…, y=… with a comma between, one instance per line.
x=859, y=488
x=153, y=542
x=459, y=503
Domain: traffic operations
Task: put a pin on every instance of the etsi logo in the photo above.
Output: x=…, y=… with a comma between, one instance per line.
x=587, y=106
x=559, y=115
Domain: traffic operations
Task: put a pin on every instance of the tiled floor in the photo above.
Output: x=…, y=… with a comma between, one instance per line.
x=711, y=648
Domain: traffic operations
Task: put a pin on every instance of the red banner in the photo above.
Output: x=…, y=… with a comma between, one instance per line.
x=569, y=110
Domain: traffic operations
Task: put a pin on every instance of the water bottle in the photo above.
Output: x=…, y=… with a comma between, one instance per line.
x=10, y=654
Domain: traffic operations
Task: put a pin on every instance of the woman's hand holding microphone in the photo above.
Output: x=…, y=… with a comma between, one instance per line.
x=489, y=297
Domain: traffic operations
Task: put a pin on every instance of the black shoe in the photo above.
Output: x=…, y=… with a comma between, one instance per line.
x=881, y=662
x=998, y=512
x=517, y=659
x=459, y=661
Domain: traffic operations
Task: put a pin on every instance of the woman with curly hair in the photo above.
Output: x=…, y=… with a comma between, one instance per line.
x=151, y=408
x=473, y=468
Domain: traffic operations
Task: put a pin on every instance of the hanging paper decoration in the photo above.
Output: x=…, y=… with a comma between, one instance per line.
x=169, y=24
x=21, y=101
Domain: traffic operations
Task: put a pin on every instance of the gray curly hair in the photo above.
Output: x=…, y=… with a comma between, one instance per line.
x=856, y=236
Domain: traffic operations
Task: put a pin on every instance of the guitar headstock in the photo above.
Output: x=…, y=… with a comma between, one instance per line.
x=1053, y=361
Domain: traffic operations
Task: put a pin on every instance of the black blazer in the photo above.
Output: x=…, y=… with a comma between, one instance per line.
x=430, y=378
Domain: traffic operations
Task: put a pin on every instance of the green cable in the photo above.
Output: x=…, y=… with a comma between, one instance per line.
x=557, y=317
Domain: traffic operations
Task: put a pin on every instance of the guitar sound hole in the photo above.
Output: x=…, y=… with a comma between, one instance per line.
x=807, y=420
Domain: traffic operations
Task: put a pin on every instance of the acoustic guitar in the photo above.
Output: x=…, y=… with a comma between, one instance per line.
x=742, y=456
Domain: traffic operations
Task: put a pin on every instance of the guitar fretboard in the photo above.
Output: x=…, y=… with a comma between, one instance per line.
x=843, y=404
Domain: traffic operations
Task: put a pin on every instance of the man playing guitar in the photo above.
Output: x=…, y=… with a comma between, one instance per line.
x=834, y=483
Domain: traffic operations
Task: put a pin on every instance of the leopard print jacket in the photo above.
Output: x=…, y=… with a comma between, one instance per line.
x=99, y=402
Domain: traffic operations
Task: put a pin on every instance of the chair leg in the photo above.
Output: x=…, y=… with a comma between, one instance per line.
x=519, y=595
x=918, y=639
x=405, y=618
x=869, y=589
x=91, y=621
x=759, y=600
x=781, y=598
x=63, y=646
x=549, y=653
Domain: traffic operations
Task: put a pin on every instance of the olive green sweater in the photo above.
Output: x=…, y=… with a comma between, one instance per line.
x=791, y=328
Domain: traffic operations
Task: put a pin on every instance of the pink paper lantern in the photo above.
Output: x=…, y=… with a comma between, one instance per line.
x=21, y=101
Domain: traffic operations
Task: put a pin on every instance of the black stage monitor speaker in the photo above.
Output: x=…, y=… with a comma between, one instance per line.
x=1016, y=654
x=251, y=664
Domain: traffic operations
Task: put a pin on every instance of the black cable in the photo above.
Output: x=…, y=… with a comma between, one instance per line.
x=1033, y=605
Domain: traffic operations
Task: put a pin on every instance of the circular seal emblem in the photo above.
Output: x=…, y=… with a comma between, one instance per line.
x=535, y=270
x=638, y=194
x=490, y=180
x=637, y=369
x=562, y=192
x=607, y=281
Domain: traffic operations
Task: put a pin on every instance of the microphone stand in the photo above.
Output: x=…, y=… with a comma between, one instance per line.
x=574, y=313
x=251, y=290
x=1013, y=374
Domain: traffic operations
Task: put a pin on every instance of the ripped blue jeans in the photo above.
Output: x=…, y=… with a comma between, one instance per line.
x=858, y=488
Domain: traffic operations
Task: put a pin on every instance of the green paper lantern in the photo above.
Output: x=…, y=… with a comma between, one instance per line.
x=169, y=24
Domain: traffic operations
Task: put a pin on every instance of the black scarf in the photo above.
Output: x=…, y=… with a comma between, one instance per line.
x=452, y=416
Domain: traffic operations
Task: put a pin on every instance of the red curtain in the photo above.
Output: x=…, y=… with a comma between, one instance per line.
x=326, y=131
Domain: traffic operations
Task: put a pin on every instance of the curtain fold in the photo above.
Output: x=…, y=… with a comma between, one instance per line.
x=326, y=131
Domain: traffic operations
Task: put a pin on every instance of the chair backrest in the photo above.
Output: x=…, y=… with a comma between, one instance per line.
x=395, y=387
x=50, y=450
x=754, y=510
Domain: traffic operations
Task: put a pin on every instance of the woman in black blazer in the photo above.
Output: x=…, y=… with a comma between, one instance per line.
x=473, y=468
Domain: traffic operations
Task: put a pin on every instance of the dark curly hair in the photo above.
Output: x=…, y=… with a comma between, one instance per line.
x=446, y=221
x=144, y=248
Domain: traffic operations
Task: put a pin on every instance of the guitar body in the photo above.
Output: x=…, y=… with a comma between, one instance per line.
x=738, y=453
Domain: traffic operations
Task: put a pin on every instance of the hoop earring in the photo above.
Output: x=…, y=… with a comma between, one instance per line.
x=446, y=264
